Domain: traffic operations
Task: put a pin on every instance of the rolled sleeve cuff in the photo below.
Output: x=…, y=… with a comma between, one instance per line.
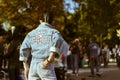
x=54, y=49
x=23, y=59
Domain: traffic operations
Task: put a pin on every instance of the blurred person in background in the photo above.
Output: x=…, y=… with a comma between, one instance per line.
x=1, y=51
x=12, y=56
x=75, y=50
x=114, y=52
x=118, y=56
x=106, y=55
x=94, y=61
x=1, y=55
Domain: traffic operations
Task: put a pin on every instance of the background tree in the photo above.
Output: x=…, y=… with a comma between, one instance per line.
x=98, y=18
x=27, y=13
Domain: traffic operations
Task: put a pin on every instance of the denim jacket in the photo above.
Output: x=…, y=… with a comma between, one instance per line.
x=40, y=42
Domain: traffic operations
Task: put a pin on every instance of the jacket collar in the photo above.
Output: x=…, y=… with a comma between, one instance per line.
x=45, y=25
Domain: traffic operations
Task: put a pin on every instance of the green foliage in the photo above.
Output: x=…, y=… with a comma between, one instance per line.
x=29, y=12
x=98, y=18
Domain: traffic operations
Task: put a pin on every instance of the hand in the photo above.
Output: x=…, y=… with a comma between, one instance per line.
x=26, y=74
x=48, y=61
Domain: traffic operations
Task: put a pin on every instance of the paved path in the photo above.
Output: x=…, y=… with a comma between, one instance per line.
x=110, y=73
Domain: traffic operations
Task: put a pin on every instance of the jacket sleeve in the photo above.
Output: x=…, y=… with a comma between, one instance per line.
x=25, y=49
x=56, y=43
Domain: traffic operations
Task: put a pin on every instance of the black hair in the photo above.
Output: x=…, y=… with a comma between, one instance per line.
x=48, y=17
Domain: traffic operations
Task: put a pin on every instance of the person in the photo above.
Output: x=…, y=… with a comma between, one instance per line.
x=94, y=57
x=61, y=67
x=12, y=56
x=44, y=44
x=106, y=55
x=1, y=54
x=1, y=51
x=74, y=48
x=118, y=56
x=64, y=50
x=81, y=55
x=115, y=51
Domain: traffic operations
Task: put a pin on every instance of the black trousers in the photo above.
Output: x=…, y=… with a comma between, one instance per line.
x=1, y=59
x=14, y=71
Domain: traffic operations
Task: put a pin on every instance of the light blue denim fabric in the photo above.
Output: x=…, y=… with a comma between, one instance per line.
x=37, y=73
x=39, y=43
